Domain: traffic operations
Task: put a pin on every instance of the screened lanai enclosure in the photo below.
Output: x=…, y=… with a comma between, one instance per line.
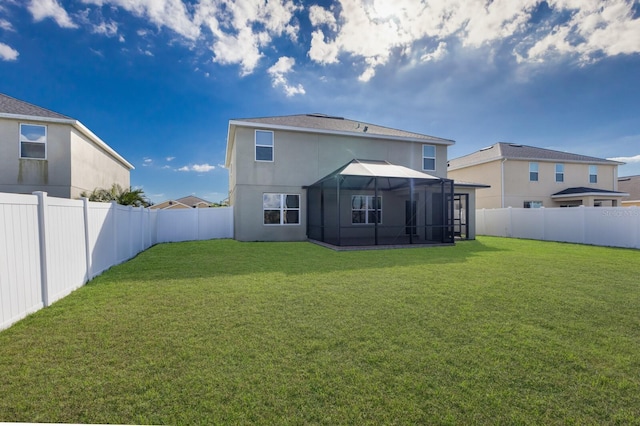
x=378, y=203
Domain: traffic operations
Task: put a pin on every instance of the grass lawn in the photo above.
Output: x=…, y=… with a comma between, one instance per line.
x=221, y=332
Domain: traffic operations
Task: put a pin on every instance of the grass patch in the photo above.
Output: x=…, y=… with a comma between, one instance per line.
x=489, y=331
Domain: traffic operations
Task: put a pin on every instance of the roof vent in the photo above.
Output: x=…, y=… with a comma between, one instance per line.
x=515, y=145
x=320, y=115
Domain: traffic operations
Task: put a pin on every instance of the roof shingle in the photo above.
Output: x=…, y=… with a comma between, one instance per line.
x=9, y=105
x=513, y=151
x=339, y=124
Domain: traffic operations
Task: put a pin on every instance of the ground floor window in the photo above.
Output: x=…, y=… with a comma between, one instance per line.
x=532, y=204
x=281, y=209
x=365, y=209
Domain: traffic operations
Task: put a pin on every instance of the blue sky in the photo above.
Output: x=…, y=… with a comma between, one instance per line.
x=158, y=80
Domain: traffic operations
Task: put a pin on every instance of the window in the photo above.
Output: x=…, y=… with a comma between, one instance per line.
x=532, y=204
x=281, y=209
x=593, y=174
x=533, y=172
x=559, y=172
x=365, y=209
x=428, y=157
x=264, y=145
x=33, y=141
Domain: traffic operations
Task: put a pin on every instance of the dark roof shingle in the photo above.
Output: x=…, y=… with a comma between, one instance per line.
x=513, y=151
x=9, y=105
x=338, y=124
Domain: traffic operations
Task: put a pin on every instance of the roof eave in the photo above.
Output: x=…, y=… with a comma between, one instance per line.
x=433, y=140
x=593, y=194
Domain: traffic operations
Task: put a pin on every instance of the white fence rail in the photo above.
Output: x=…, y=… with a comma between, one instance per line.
x=52, y=246
x=601, y=226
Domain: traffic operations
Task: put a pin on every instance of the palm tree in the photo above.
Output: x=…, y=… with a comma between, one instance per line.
x=125, y=197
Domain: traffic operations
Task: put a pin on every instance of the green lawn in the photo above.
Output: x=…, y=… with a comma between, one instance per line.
x=498, y=331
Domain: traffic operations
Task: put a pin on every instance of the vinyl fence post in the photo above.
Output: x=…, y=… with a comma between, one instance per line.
x=87, y=250
x=42, y=228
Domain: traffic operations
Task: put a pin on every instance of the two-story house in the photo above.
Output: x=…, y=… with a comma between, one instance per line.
x=342, y=182
x=42, y=150
x=529, y=177
x=630, y=185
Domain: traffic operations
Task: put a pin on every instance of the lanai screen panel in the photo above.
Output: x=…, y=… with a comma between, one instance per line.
x=367, y=209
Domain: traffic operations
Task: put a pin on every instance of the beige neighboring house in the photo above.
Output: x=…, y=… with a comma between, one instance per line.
x=342, y=182
x=529, y=177
x=630, y=185
x=41, y=150
x=188, y=202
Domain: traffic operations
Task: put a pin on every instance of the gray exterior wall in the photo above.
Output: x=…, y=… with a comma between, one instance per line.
x=73, y=164
x=301, y=159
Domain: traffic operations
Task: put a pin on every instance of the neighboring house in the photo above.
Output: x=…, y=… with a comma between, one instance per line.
x=342, y=182
x=188, y=202
x=526, y=176
x=41, y=150
x=630, y=185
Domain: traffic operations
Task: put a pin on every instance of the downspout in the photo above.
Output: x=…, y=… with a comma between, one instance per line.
x=504, y=160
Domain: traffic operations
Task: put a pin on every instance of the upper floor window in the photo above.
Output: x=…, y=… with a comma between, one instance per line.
x=593, y=174
x=264, y=145
x=533, y=172
x=366, y=209
x=281, y=209
x=428, y=157
x=559, y=172
x=33, y=141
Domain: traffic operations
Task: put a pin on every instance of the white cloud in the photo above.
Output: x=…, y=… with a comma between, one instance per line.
x=374, y=31
x=242, y=29
x=171, y=14
x=201, y=168
x=8, y=53
x=437, y=54
x=278, y=74
x=320, y=16
x=146, y=162
x=6, y=25
x=628, y=160
x=109, y=29
x=170, y=158
x=42, y=9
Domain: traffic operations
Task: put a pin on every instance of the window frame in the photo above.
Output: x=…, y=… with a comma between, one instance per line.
x=593, y=167
x=536, y=171
x=256, y=145
x=425, y=157
x=532, y=204
x=560, y=174
x=367, y=210
x=45, y=143
x=282, y=209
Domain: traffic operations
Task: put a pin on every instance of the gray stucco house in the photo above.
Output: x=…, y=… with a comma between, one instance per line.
x=42, y=150
x=343, y=182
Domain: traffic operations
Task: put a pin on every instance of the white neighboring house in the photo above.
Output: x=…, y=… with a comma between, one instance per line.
x=42, y=150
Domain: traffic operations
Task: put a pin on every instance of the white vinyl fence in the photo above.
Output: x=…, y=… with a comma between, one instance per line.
x=52, y=246
x=601, y=226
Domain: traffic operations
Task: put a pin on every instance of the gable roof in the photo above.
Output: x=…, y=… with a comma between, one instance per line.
x=630, y=184
x=9, y=105
x=20, y=110
x=327, y=124
x=192, y=201
x=512, y=151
